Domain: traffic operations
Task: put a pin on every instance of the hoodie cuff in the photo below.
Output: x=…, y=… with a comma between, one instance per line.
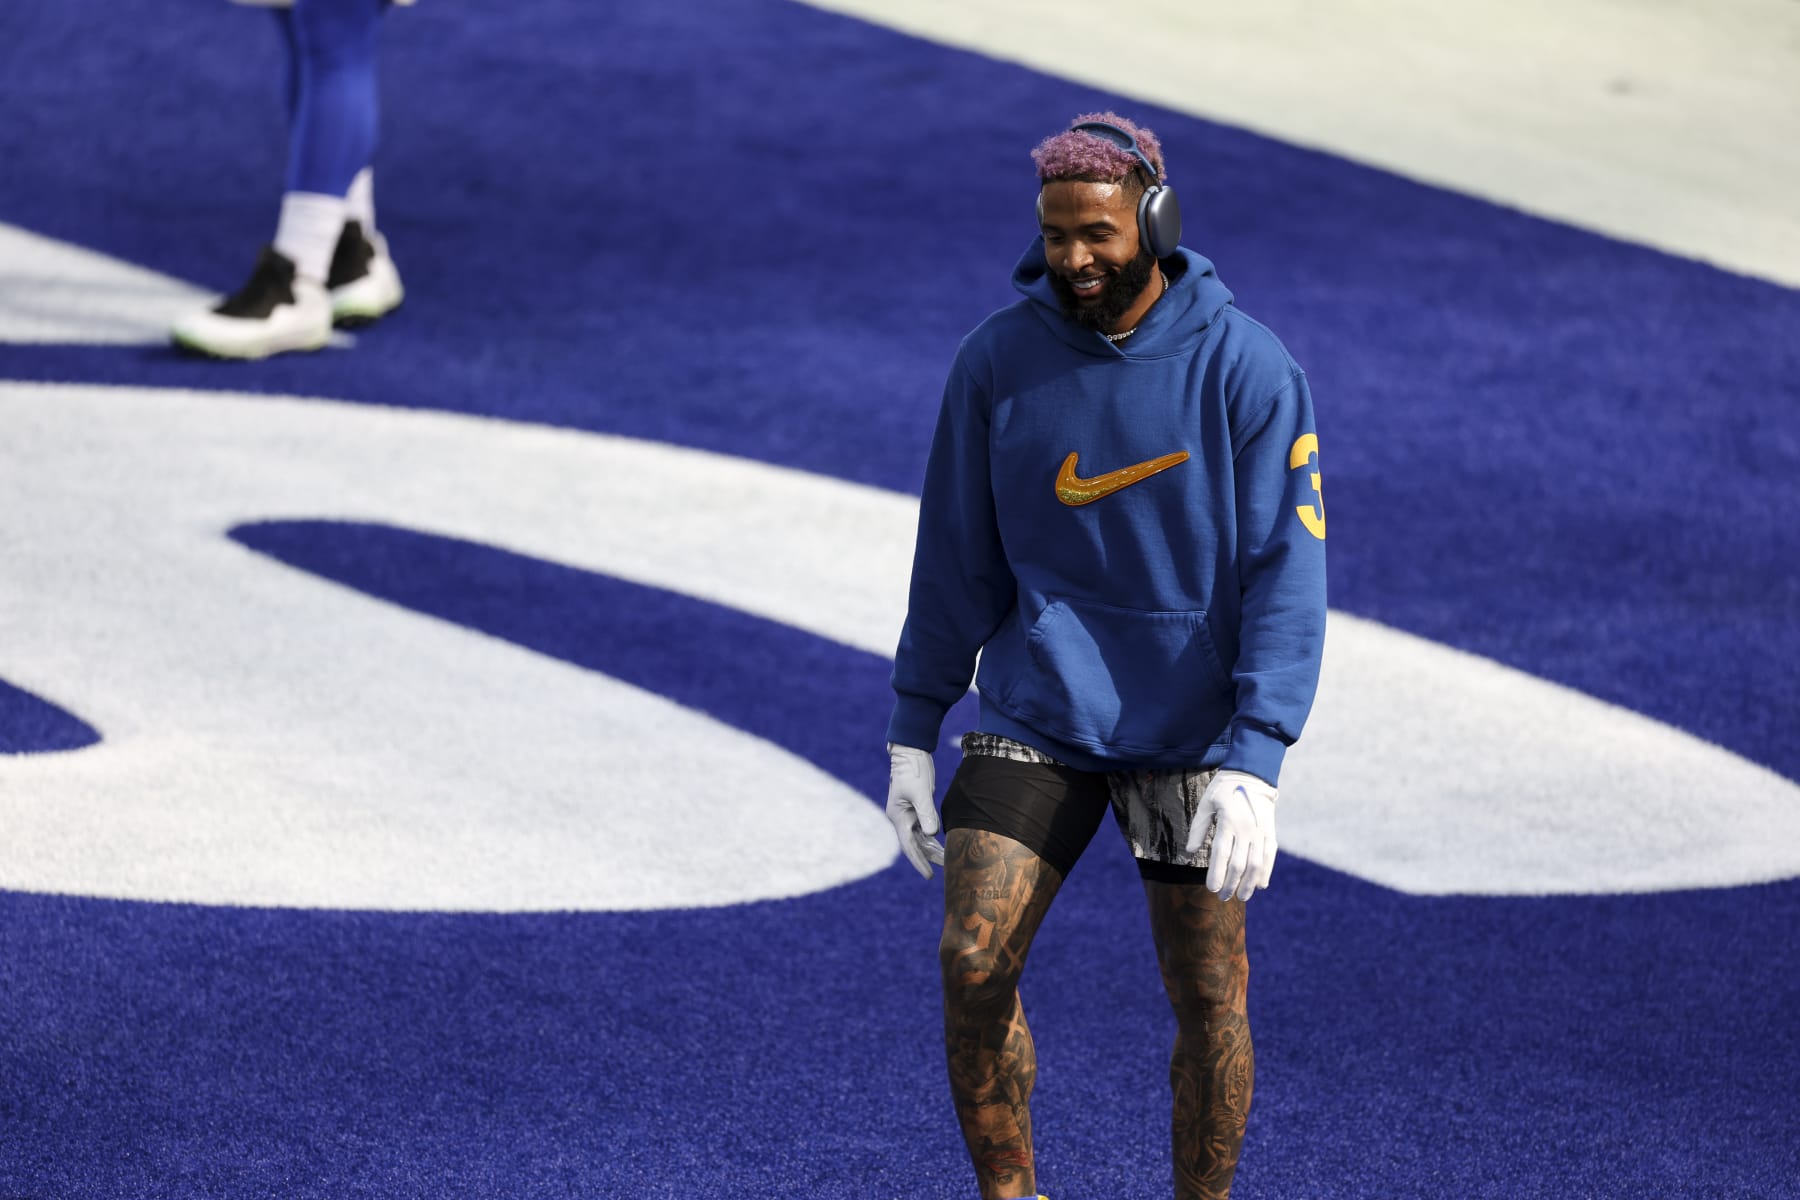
x=916, y=722
x=1255, y=751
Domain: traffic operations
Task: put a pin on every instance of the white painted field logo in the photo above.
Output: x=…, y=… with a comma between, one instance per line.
x=269, y=737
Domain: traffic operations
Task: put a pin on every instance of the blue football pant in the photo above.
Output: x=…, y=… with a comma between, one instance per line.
x=333, y=100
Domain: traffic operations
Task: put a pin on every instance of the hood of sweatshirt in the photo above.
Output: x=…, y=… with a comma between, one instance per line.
x=1174, y=324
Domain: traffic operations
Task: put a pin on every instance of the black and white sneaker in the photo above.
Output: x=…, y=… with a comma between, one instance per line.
x=275, y=311
x=364, y=284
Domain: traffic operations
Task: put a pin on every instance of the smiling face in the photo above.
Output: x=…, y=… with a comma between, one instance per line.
x=1097, y=267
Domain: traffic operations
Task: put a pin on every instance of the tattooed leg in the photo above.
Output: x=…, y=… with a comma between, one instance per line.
x=1200, y=947
x=995, y=895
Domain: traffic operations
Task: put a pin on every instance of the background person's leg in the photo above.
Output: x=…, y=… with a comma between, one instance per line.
x=331, y=149
x=338, y=105
x=1206, y=972
x=331, y=135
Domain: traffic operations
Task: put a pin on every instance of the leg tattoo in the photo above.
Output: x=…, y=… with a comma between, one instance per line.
x=1200, y=947
x=995, y=895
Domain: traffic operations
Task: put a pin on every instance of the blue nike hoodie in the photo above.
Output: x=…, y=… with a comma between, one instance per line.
x=1168, y=616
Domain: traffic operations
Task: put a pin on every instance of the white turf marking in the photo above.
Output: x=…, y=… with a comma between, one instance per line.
x=272, y=738
x=52, y=291
x=1432, y=770
x=1674, y=125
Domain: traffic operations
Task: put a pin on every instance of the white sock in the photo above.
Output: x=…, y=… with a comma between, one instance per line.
x=359, y=203
x=308, y=232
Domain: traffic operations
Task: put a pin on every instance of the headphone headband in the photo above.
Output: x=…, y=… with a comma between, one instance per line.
x=1118, y=137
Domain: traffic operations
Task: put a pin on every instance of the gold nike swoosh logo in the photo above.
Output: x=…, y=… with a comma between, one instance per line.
x=1075, y=491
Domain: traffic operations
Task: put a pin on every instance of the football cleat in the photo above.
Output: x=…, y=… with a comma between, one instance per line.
x=363, y=282
x=275, y=311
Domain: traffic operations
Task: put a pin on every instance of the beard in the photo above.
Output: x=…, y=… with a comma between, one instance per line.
x=1117, y=294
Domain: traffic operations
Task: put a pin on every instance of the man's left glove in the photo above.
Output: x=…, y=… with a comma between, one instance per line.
x=912, y=791
x=1240, y=810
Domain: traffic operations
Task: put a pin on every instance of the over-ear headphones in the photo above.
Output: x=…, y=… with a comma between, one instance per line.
x=1158, y=212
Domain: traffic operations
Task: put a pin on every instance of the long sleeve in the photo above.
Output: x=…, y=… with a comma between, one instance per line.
x=962, y=587
x=1281, y=574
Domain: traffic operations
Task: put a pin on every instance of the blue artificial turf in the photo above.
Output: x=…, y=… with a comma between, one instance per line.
x=757, y=228
x=30, y=724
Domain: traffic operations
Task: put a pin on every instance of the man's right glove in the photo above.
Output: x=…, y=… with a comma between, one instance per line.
x=912, y=788
x=1240, y=810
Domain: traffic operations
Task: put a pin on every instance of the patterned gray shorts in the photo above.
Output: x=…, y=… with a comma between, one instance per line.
x=1154, y=809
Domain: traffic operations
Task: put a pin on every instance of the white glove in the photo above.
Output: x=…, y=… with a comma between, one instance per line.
x=1240, y=810
x=912, y=784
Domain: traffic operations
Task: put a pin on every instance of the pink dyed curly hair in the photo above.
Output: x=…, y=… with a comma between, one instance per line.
x=1073, y=154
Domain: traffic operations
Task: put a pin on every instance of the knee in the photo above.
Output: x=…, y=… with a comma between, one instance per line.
x=1208, y=994
x=976, y=984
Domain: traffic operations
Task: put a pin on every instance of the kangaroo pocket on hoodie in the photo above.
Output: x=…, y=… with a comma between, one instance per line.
x=1122, y=680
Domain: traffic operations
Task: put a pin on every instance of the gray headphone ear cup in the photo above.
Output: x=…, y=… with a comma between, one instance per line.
x=1159, y=221
x=1040, y=207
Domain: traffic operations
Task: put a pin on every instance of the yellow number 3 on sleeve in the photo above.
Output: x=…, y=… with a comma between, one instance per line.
x=1311, y=515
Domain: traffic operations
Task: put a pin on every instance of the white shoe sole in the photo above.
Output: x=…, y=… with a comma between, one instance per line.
x=304, y=325
x=370, y=298
x=248, y=349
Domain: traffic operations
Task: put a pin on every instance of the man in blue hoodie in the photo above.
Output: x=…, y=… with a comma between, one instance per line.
x=1121, y=517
